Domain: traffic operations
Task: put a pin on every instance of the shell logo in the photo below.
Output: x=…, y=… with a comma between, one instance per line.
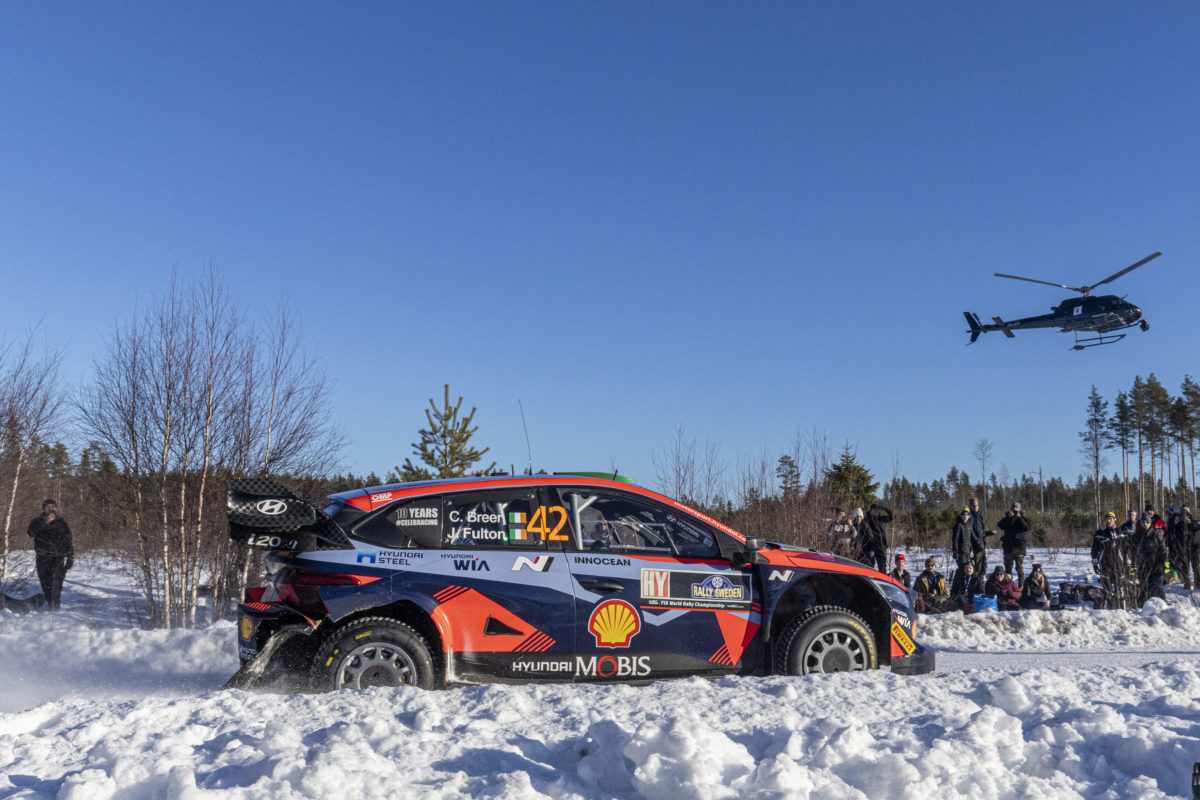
x=614, y=623
x=247, y=627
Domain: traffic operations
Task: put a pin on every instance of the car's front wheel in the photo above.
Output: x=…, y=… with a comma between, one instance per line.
x=826, y=639
x=374, y=651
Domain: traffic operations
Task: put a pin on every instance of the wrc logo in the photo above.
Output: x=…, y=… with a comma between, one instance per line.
x=537, y=564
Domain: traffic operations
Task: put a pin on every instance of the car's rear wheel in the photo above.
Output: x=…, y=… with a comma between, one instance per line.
x=826, y=639
x=374, y=651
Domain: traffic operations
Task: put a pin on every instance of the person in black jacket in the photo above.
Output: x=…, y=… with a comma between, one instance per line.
x=960, y=539
x=1035, y=592
x=1150, y=554
x=54, y=552
x=874, y=536
x=1181, y=534
x=1105, y=560
x=1014, y=538
x=1191, y=560
x=979, y=534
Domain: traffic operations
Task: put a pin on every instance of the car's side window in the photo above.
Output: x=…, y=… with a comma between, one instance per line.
x=504, y=518
x=417, y=523
x=612, y=522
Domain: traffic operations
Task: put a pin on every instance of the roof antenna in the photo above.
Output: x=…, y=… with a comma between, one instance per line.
x=528, y=449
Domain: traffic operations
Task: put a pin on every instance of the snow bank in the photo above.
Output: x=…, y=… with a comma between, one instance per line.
x=1005, y=733
x=95, y=707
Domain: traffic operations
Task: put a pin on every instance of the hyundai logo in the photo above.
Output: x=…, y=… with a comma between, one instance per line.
x=272, y=508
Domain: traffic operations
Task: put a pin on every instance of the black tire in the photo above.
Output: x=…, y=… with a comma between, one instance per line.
x=374, y=651
x=826, y=639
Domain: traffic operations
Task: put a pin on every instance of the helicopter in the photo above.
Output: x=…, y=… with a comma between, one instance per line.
x=1086, y=314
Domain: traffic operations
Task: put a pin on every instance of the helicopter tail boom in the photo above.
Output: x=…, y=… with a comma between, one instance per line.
x=1004, y=328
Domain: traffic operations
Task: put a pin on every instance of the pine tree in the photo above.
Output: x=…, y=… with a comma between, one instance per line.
x=1094, y=440
x=1121, y=434
x=445, y=445
x=850, y=483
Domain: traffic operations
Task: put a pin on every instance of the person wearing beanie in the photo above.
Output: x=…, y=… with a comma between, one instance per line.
x=989, y=586
x=54, y=552
x=1191, y=561
x=1150, y=557
x=1014, y=538
x=856, y=522
x=960, y=539
x=899, y=573
x=1105, y=557
x=1035, y=592
x=932, y=595
x=1180, y=533
x=874, y=536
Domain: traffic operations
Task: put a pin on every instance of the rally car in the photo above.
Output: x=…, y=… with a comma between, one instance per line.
x=568, y=577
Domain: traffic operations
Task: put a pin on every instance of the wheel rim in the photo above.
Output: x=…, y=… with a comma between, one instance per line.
x=834, y=650
x=375, y=664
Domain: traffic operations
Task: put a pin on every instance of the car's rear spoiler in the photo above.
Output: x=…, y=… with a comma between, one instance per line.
x=264, y=513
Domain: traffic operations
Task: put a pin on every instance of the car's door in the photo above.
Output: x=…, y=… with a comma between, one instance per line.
x=504, y=603
x=654, y=596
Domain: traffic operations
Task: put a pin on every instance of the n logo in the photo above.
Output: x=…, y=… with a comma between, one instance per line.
x=537, y=564
x=781, y=575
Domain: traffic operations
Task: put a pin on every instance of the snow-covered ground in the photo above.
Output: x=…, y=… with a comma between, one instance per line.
x=1064, y=704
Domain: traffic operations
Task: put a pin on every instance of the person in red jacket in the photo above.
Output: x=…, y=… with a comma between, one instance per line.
x=1008, y=596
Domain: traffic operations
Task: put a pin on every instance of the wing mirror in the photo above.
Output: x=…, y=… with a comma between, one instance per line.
x=751, y=555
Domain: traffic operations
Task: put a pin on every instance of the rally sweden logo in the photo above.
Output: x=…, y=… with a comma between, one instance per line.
x=718, y=587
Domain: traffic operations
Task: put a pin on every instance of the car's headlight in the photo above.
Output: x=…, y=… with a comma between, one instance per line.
x=894, y=594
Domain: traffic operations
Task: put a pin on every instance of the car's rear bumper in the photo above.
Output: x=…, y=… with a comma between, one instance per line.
x=921, y=661
x=257, y=622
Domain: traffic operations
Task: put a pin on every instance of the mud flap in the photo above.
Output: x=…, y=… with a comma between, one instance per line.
x=252, y=671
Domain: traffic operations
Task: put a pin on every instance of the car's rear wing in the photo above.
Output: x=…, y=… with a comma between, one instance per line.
x=264, y=513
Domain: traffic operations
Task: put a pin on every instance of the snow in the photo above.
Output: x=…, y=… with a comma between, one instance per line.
x=1063, y=704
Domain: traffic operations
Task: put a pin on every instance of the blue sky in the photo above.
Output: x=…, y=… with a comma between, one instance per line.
x=748, y=220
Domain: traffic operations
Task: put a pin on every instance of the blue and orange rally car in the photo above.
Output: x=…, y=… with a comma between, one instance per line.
x=567, y=577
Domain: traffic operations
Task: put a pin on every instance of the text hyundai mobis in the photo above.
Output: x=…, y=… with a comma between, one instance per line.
x=544, y=578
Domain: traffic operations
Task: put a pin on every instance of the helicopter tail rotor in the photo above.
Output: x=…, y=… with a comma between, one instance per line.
x=976, y=328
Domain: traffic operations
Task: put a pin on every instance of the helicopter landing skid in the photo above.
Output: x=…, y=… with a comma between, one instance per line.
x=1096, y=341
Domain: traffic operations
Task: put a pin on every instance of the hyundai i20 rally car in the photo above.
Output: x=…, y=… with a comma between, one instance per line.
x=544, y=578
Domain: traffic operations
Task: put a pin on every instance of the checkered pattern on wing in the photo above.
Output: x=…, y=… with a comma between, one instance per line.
x=243, y=506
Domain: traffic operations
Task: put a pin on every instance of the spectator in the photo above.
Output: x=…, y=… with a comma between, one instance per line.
x=899, y=573
x=1008, y=596
x=1150, y=553
x=930, y=586
x=1014, y=539
x=841, y=535
x=1181, y=531
x=54, y=552
x=874, y=536
x=979, y=534
x=1035, y=592
x=1105, y=558
x=960, y=539
x=1129, y=526
x=989, y=586
x=1191, y=561
x=963, y=588
x=856, y=522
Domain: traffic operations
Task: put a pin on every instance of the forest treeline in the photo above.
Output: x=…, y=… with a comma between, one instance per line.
x=193, y=390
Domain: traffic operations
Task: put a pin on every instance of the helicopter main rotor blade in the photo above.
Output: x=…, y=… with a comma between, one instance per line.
x=1114, y=276
x=1035, y=280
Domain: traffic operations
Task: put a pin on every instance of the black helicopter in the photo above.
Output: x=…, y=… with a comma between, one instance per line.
x=1099, y=315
